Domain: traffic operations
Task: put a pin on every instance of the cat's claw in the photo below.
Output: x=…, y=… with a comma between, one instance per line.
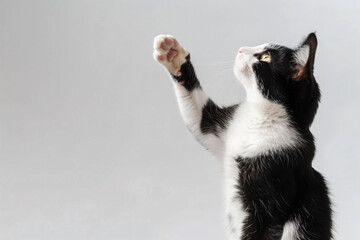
x=168, y=52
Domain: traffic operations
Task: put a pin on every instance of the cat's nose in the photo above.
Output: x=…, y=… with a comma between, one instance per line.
x=242, y=50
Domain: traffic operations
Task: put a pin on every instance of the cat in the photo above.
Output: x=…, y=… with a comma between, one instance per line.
x=272, y=191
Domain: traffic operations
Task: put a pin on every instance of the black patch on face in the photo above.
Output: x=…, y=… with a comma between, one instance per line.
x=188, y=77
x=272, y=77
x=276, y=81
x=214, y=118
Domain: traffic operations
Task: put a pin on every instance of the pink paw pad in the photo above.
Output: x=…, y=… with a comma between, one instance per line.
x=168, y=41
x=161, y=57
x=166, y=49
x=164, y=46
x=171, y=55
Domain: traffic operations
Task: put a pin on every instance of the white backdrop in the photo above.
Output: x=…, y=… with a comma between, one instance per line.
x=92, y=145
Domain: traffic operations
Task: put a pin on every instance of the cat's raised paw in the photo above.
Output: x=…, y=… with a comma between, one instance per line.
x=169, y=53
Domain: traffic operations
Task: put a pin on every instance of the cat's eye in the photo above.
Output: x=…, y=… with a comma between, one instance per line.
x=265, y=57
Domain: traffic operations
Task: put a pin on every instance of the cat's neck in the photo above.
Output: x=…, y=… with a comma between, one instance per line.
x=265, y=108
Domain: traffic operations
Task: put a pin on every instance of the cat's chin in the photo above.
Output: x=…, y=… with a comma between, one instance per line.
x=244, y=76
x=241, y=67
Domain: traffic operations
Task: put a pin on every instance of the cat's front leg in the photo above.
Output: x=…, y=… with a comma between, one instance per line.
x=202, y=116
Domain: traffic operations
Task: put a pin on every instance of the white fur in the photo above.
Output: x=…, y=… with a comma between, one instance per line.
x=259, y=128
x=302, y=55
x=290, y=231
x=243, y=66
x=191, y=104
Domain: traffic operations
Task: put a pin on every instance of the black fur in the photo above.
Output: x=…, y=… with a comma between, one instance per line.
x=188, y=77
x=214, y=118
x=280, y=186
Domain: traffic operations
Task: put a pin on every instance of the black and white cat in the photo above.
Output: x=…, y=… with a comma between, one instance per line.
x=272, y=191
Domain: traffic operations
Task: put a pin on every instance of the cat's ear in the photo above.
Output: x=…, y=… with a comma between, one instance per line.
x=303, y=59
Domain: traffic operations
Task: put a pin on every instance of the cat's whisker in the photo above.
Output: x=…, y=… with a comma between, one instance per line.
x=219, y=63
x=220, y=73
x=225, y=70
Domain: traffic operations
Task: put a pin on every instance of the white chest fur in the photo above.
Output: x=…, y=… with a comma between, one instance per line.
x=258, y=128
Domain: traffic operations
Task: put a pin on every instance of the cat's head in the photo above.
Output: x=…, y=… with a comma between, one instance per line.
x=282, y=75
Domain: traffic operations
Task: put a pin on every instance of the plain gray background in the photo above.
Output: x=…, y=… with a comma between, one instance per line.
x=92, y=145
